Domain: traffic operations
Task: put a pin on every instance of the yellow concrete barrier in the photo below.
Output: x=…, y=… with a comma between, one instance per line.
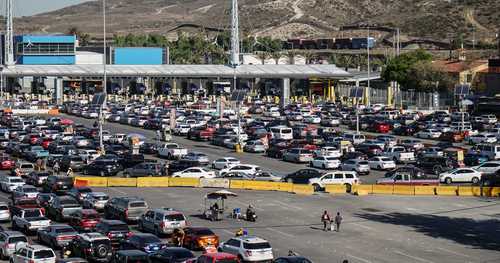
x=335, y=189
x=214, y=182
x=261, y=186
x=446, y=190
x=362, y=189
x=495, y=192
x=285, y=187
x=152, y=182
x=383, y=189
x=237, y=184
x=124, y=182
x=425, y=190
x=403, y=190
x=94, y=181
x=468, y=191
x=303, y=189
x=184, y=182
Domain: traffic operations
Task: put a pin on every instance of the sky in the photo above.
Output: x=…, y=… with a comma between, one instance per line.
x=31, y=7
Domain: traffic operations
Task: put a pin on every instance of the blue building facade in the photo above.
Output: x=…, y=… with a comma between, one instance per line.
x=139, y=56
x=45, y=49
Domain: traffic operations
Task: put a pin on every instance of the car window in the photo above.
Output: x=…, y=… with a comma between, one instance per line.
x=349, y=176
x=233, y=243
x=261, y=245
x=339, y=176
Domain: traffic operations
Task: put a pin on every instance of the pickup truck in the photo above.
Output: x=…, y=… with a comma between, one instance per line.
x=171, y=151
x=201, y=133
x=29, y=220
x=407, y=179
x=399, y=154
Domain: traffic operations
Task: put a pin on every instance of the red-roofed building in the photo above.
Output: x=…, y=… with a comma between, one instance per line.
x=463, y=71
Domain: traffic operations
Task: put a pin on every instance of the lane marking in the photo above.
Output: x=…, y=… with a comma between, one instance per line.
x=412, y=257
x=453, y=252
x=358, y=258
x=280, y=232
x=363, y=226
x=119, y=191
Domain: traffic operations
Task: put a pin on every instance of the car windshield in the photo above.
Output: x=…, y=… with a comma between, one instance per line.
x=32, y=213
x=137, y=204
x=44, y=254
x=204, y=232
x=65, y=230
x=174, y=217
x=14, y=240
x=16, y=180
x=120, y=227
x=262, y=245
x=101, y=197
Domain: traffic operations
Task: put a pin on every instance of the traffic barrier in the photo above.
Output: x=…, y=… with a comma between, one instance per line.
x=469, y=191
x=53, y=112
x=425, y=190
x=214, y=183
x=285, y=187
x=122, y=182
x=152, y=182
x=403, y=190
x=80, y=183
x=335, y=188
x=495, y=192
x=261, y=186
x=362, y=189
x=383, y=189
x=94, y=181
x=447, y=190
x=303, y=189
x=184, y=182
x=237, y=184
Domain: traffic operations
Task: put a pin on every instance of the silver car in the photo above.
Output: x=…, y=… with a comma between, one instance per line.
x=358, y=165
x=4, y=212
x=8, y=241
x=95, y=200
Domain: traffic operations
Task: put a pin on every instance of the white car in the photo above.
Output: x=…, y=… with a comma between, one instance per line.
x=357, y=165
x=325, y=162
x=95, y=200
x=428, y=134
x=88, y=155
x=312, y=119
x=249, y=248
x=328, y=151
x=182, y=129
x=225, y=162
x=195, y=172
x=489, y=167
x=117, y=138
x=381, y=163
x=460, y=175
x=482, y=138
x=9, y=183
x=32, y=254
x=244, y=168
x=347, y=178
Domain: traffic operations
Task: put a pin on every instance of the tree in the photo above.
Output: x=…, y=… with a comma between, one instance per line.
x=398, y=68
x=424, y=76
x=262, y=55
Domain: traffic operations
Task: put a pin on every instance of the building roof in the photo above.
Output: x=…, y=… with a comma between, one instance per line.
x=457, y=66
x=194, y=71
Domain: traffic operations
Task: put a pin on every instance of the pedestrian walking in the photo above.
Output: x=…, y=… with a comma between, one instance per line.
x=338, y=220
x=325, y=218
x=56, y=168
x=69, y=173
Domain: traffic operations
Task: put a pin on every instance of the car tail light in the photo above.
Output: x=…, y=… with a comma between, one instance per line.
x=129, y=234
x=31, y=261
x=88, y=250
x=110, y=235
x=248, y=253
x=126, y=212
x=162, y=225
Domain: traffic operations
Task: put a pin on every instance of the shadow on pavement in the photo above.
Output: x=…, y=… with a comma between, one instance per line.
x=482, y=234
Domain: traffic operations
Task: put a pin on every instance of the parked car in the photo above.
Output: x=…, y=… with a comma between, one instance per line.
x=346, y=178
x=56, y=236
x=357, y=165
x=301, y=176
x=57, y=184
x=244, y=168
x=161, y=221
x=327, y=162
x=95, y=200
x=116, y=230
x=298, y=155
x=8, y=242
x=84, y=220
x=248, y=248
x=225, y=162
x=145, y=242
x=94, y=247
x=195, y=172
x=199, y=238
x=143, y=169
x=126, y=208
x=171, y=254
x=460, y=175
x=381, y=163
x=61, y=207
x=33, y=253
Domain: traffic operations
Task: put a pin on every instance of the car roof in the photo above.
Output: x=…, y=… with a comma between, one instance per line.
x=12, y=233
x=251, y=239
x=113, y=222
x=131, y=252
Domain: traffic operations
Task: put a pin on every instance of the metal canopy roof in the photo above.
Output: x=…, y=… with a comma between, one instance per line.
x=223, y=71
x=362, y=76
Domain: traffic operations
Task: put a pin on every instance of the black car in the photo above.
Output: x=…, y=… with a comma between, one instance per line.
x=146, y=242
x=76, y=163
x=491, y=180
x=71, y=260
x=171, y=255
x=180, y=165
x=94, y=247
x=148, y=148
x=130, y=256
x=102, y=168
x=302, y=176
x=116, y=149
x=405, y=130
x=436, y=164
x=57, y=184
x=116, y=230
x=143, y=169
x=354, y=155
x=411, y=170
x=129, y=160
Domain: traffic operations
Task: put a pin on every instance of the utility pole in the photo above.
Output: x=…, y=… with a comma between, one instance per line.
x=369, y=69
x=104, y=81
x=235, y=35
x=9, y=35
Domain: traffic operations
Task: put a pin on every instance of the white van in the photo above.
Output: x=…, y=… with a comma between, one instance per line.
x=490, y=150
x=355, y=138
x=281, y=133
x=347, y=178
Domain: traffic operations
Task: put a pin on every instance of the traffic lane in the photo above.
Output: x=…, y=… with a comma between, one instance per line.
x=375, y=228
x=213, y=152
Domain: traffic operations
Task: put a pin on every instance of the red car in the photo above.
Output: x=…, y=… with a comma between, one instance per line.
x=215, y=258
x=84, y=220
x=6, y=163
x=200, y=238
x=380, y=127
x=46, y=142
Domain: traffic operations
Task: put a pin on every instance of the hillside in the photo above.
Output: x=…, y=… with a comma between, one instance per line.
x=438, y=19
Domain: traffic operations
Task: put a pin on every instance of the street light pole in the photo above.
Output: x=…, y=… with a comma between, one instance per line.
x=101, y=115
x=368, y=82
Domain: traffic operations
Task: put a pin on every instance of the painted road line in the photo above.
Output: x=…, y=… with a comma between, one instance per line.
x=412, y=257
x=362, y=226
x=118, y=191
x=453, y=252
x=280, y=232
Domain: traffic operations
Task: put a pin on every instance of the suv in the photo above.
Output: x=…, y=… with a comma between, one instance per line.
x=131, y=256
x=94, y=247
x=436, y=164
x=62, y=207
x=248, y=248
x=347, y=178
x=161, y=221
x=33, y=254
x=127, y=208
x=57, y=184
x=143, y=169
x=302, y=176
x=116, y=230
x=8, y=241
